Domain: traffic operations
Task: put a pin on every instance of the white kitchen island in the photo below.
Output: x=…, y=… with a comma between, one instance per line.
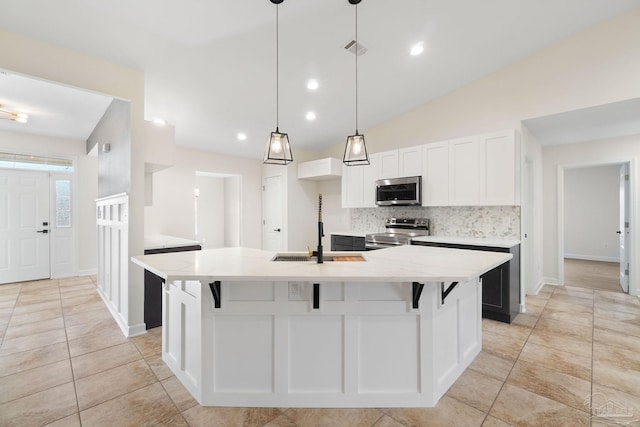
x=394, y=330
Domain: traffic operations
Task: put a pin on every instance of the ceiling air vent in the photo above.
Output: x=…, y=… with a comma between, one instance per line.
x=356, y=48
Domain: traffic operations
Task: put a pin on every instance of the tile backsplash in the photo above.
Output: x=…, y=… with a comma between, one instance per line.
x=493, y=222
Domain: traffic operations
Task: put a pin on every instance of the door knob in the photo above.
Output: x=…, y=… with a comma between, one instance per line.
x=43, y=231
x=618, y=232
x=277, y=229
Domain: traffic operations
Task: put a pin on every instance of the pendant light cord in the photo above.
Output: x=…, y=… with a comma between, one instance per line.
x=277, y=70
x=356, y=68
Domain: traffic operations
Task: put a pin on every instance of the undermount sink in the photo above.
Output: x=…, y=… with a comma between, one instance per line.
x=300, y=258
x=308, y=258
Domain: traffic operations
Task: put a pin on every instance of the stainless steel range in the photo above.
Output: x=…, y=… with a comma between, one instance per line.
x=398, y=231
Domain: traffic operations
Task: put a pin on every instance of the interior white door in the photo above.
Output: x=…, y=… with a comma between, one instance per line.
x=24, y=226
x=272, y=218
x=623, y=230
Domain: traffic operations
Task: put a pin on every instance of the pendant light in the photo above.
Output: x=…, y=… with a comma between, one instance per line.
x=278, y=151
x=355, y=151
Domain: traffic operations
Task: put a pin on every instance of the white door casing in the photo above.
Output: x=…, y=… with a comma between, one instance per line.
x=272, y=213
x=623, y=229
x=24, y=237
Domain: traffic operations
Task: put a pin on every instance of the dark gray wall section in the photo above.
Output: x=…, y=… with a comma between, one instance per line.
x=114, y=167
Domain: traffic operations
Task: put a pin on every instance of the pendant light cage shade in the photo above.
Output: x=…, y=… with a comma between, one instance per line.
x=355, y=151
x=278, y=151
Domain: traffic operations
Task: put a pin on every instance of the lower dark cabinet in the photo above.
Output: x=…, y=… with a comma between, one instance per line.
x=346, y=243
x=153, y=288
x=500, y=286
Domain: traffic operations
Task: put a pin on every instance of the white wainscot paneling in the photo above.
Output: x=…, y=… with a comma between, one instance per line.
x=248, y=291
x=315, y=354
x=113, y=257
x=243, y=350
x=388, y=354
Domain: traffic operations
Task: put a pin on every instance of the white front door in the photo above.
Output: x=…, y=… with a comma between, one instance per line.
x=272, y=218
x=24, y=226
x=623, y=230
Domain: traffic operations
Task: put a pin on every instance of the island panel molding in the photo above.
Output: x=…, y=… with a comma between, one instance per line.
x=363, y=346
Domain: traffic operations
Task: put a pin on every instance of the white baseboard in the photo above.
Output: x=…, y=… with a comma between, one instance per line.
x=552, y=281
x=89, y=272
x=127, y=331
x=592, y=258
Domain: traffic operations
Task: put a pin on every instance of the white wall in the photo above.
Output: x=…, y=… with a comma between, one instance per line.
x=592, y=213
x=233, y=211
x=86, y=186
x=173, y=209
x=532, y=226
x=211, y=208
x=614, y=150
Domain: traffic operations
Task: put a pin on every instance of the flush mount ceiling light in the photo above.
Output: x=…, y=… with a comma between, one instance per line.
x=278, y=151
x=355, y=151
x=13, y=115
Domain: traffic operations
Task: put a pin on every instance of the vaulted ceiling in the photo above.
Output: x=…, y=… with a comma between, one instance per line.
x=210, y=67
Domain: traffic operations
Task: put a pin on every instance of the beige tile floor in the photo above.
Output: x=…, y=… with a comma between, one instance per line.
x=64, y=362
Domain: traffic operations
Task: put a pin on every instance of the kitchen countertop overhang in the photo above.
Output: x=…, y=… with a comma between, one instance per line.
x=397, y=264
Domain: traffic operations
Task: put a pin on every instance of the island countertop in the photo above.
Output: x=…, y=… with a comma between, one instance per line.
x=398, y=264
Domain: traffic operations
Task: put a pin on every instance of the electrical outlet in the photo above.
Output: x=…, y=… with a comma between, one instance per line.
x=294, y=291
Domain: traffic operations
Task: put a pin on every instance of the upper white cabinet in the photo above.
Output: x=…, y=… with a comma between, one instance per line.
x=435, y=178
x=499, y=168
x=464, y=167
x=370, y=176
x=410, y=161
x=320, y=170
x=359, y=184
x=388, y=164
x=480, y=170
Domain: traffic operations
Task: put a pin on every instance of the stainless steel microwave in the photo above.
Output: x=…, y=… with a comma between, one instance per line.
x=399, y=191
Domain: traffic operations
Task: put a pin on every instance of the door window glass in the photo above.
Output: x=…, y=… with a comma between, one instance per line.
x=63, y=203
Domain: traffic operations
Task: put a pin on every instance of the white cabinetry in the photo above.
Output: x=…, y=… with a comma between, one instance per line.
x=464, y=169
x=410, y=161
x=388, y=164
x=435, y=178
x=319, y=170
x=370, y=175
x=499, y=169
x=358, y=184
x=480, y=170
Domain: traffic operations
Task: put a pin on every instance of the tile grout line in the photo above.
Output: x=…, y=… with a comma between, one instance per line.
x=593, y=338
x=73, y=376
x=514, y=363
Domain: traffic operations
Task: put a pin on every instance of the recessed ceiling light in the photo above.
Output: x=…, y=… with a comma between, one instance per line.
x=312, y=84
x=242, y=136
x=21, y=118
x=159, y=122
x=311, y=115
x=417, y=49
